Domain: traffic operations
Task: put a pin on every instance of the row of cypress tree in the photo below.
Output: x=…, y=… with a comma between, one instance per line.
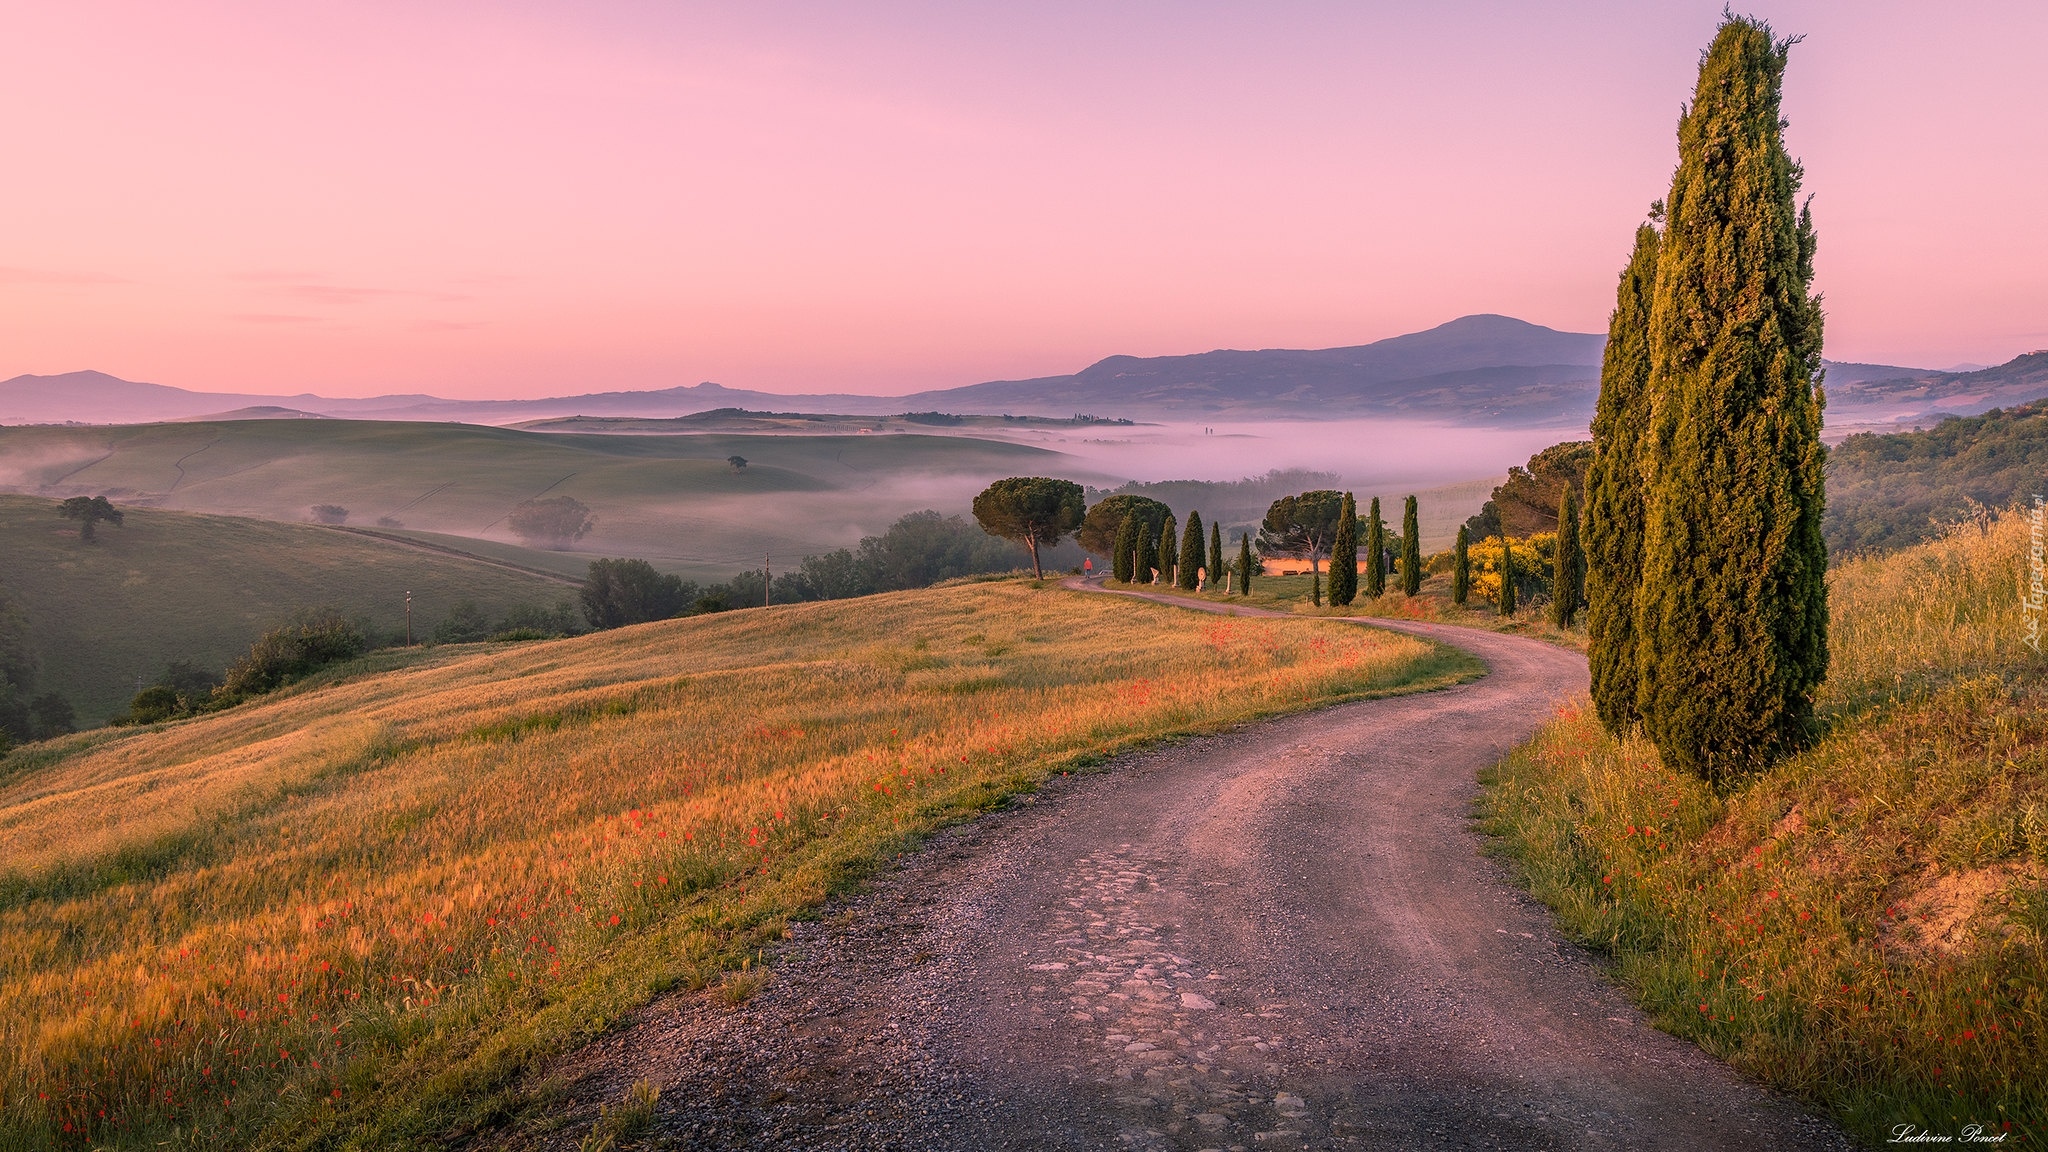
x=1138, y=554
x=1707, y=601
x=1345, y=548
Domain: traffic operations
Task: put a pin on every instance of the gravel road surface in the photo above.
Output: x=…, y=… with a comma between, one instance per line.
x=1283, y=937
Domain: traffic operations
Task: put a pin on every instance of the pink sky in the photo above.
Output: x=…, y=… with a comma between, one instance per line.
x=521, y=199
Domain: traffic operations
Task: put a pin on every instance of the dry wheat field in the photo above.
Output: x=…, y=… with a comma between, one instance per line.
x=354, y=913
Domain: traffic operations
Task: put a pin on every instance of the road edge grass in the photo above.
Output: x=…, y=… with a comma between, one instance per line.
x=1726, y=919
x=493, y=1087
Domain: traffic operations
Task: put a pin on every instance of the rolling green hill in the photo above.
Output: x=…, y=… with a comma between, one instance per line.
x=673, y=500
x=167, y=586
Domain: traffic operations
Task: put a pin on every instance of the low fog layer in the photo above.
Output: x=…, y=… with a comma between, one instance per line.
x=1366, y=453
x=675, y=501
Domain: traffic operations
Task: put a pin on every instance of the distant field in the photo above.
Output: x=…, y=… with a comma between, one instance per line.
x=355, y=913
x=673, y=500
x=169, y=586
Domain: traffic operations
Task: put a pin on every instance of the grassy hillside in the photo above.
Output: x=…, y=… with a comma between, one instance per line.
x=1891, y=491
x=355, y=912
x=670, y=499
x=167, y=586
x=1867, y=924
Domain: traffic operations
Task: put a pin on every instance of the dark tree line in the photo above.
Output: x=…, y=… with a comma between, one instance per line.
x=917, y=551
x=25, y=714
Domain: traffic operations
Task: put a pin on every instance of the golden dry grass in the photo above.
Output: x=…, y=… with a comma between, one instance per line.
x=354, y=913
x=1866, y=924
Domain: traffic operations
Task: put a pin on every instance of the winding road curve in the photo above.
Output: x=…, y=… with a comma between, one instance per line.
x=1283, y=937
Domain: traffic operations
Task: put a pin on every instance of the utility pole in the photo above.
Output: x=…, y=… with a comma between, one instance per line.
x=767, y=580
x=408, y=618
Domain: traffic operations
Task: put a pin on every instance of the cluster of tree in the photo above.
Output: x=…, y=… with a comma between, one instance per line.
x=1892, y=491
x=89, y=511
x=182, y=689
x=308, y=643
x=1707, y=595
x=617, y=593
x=24, y=714
x=1237, y=505
x=1148, y=546
x=311, y=640
x=1313, y=525
x=1527, y=501
x=917, y=551
x=934, y=418
x=1324, y=522
x=552, y=522
x=329, y=514
x=466, y=623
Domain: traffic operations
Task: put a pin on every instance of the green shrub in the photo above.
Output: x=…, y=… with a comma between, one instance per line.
x=155, y=704
x=293, y=651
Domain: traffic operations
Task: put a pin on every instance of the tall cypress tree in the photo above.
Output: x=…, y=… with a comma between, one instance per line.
x=1568, y=569
x=1121, y=562
x=1461, y=567
x=1245, y=563
x=1614, y=489
x=1216, y=555
x=1344, y=555
x=1411, y=550
x=1507, y=576
x=1732, y=611
x=1146, y=558
x=1375, y=553
x=1164, y=551
x=1191, y=553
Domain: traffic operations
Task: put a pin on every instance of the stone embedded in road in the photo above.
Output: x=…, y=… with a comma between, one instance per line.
x=1195, y=1002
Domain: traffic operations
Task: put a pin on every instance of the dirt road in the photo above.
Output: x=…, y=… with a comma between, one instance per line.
x=1284, y=937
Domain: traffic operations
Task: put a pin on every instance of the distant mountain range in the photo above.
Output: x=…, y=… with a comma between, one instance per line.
x=1481, y=370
